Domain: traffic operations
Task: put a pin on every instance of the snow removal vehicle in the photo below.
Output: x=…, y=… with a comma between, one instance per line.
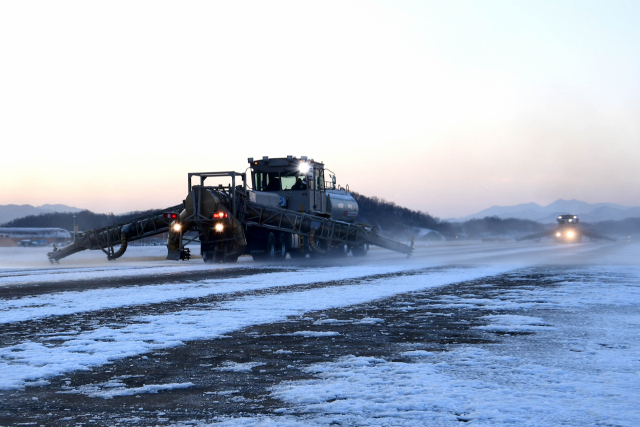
x=283, y=205
x=568, y=231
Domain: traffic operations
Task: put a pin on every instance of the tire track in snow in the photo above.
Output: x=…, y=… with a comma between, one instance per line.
x=40, y=317
x=60, y=303
x=57, y=304
x=30, y=285
x=30, y=363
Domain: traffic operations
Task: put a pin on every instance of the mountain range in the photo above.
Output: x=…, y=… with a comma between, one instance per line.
x=587, y=212
x=11, y=212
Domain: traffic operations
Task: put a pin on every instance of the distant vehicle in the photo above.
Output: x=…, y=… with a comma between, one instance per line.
x=567, y=231
x=33, y=243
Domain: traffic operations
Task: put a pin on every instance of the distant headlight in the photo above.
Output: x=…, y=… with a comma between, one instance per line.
x=219, y=227
x=176, y=227
x=558, y=234
x=570, y=234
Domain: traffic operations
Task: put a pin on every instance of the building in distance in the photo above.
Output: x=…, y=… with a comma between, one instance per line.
x=32, y=236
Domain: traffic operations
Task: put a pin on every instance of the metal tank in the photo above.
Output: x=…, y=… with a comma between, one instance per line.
x=342, y=206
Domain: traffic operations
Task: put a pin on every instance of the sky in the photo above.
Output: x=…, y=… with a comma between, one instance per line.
x=445, y=107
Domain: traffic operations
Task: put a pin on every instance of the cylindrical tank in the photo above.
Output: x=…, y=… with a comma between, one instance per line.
x=342, y=206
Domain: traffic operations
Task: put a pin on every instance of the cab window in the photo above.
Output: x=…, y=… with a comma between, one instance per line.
x=293, y=181
x=320, y=179
x=266, y=181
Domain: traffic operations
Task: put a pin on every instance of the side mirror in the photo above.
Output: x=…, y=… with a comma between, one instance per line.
x=333, y=180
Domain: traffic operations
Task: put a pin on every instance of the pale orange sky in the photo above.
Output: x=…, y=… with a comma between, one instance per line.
x=447, y=107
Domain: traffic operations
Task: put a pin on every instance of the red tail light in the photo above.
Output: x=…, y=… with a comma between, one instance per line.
x=170, y=215
x=220, y=215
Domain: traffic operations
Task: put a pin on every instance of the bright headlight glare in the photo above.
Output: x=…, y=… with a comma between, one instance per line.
x=558, y=234
x=219, y=227
x=176, y=227
x=570, y=234
x=304, y=167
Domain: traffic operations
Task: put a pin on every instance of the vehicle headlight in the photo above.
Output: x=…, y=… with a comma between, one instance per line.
x=176, y=227
x=558, y=234
x=219, y=227
x=570, y=234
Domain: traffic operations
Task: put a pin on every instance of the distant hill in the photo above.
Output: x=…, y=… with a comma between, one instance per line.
x=588, y=212
x=629, y=226
x=387, y=216
x=397, y=221
x=391, y=218
x=11, y=212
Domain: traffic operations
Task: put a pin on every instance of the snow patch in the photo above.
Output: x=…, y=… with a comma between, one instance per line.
x=32, y=361
x=237, y=367
x=315, y=333
x=115, y=388
x=65, y=303
x=514, y=323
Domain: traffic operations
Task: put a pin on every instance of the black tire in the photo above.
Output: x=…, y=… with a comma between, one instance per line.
x=340, y=251
x=259, y=257
x=282, y=247
x=208, y=256
x=231, y=259
x=360, y=251
x=271, y=247
x=218, y=257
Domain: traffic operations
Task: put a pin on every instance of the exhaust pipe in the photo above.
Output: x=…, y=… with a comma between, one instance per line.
x=313, y=244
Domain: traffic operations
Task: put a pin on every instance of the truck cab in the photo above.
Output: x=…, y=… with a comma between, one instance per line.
x=299, y=184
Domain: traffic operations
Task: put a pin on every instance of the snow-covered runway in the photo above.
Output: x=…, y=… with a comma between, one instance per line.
x=487, y=334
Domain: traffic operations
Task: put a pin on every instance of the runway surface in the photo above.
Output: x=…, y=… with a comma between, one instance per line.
x=480, y=333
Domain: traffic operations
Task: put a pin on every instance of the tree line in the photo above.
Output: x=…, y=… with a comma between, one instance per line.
x=375, y=211
x=388, y=216
x=85, y=220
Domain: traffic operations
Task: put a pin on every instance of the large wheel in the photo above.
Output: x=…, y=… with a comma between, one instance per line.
x=272, y=249
x=259, y=257
x=282, y=247
x=322, y=248
x=208, y=256
x=340, y=251
x=218, y=256
x=360, y=250
x=231, y=259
